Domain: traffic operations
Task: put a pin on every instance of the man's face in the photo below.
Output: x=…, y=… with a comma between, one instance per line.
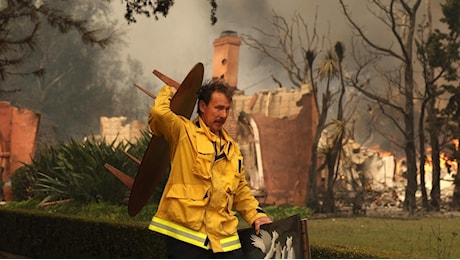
x=216, y=112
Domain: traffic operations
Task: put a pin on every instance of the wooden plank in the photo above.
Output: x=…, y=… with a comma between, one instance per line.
x=123, y=177
x=156, y=159
x=167, y=80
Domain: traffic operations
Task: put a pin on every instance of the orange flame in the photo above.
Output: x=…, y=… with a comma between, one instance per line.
x=444, y=162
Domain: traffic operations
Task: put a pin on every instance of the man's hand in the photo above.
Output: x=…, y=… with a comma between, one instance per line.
x=260, y=221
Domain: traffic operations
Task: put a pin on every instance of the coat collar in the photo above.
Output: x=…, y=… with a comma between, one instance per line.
x=204, y=129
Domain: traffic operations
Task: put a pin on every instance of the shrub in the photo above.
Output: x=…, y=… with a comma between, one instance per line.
x=75, y=170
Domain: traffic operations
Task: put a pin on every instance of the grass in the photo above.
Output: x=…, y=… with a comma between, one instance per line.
x=420, y=238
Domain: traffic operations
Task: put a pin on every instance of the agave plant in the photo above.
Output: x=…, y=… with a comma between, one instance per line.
x=75, y=170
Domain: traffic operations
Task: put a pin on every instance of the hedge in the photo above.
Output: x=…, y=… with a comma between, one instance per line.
x=44, y=235
x=50, y=235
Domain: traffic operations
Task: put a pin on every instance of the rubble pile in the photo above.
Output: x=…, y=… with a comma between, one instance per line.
x=383, y=185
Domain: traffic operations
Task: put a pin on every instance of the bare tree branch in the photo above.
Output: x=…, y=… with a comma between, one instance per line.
x=285, y=46
x=364, y=36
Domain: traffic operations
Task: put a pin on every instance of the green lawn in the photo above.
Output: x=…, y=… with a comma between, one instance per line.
x=420, y=238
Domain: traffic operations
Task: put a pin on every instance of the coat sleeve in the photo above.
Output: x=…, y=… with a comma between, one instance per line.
x=162, y=120
x=245, y=202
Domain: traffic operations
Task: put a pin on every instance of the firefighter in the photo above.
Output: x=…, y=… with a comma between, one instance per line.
x=207, y=179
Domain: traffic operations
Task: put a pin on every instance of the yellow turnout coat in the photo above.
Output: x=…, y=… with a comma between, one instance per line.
x=206, y=183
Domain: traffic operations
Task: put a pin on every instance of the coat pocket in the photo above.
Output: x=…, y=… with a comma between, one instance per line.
x=204, y=160
x=187, y=204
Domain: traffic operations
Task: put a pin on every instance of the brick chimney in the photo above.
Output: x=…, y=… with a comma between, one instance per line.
x=226, y=57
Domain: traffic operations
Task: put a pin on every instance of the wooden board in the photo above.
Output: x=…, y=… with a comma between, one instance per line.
x=156, y=159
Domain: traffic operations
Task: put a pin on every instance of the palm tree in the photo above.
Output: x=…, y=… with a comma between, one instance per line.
x=328, y=70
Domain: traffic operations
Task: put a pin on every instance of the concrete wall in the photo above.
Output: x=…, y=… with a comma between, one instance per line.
x=277, y=103
x=115, y=129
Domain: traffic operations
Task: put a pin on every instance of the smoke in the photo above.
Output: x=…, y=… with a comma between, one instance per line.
x=173, y=44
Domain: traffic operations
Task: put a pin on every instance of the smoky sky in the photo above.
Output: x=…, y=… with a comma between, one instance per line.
x=173, y=44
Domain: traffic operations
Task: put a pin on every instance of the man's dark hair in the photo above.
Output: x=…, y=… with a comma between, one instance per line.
x=212, y=86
